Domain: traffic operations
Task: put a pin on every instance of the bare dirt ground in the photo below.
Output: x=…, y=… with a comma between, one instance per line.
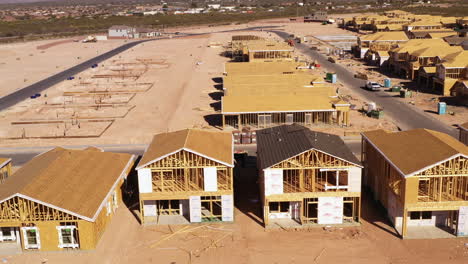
x=22, y=64
x=246, y=241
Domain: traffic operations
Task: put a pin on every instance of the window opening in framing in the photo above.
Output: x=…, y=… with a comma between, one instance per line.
x=279, y=207
x=211, y=208
x=168, y=207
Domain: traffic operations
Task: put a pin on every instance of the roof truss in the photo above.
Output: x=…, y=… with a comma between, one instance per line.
x=19, y=208
x=313, y=158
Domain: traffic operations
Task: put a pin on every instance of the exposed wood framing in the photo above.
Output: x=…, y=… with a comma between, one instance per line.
x=265, y=120
x=21, y=210
x=181, y=175
x=304, y=179
x=442, y=187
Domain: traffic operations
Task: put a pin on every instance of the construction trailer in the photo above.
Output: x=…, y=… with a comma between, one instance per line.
x=420, y=177
x=62, y=199
x=307, y=177
x=5, y=169
x=187, y=177
x=463, y=136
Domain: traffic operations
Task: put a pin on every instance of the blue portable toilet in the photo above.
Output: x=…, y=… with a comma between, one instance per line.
x=387, y=83
x=441, y=108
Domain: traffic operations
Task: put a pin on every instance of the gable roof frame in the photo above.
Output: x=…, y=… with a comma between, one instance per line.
x=122, y=176
x=5, y=163
x=358, y=165
x=46, y=204
x=186, y=149
x=415, y=172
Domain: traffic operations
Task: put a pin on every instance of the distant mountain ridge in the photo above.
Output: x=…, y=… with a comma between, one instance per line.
x=25, y=1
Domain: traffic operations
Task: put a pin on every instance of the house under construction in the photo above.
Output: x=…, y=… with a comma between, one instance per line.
x=252, y=48
x=278, y=97
x=62, y=199
x=463, y=136
x=5, y=169
x=307, y=177
x=421, y=177
x=187, y=177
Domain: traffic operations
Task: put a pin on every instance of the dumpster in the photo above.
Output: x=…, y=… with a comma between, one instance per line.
x=441, y=108
x=387, y=83
x=377, y=114
x=331, y=77
x=405, y=94
x=396, y=88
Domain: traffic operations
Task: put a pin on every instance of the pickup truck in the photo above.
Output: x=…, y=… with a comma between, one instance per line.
x=373, y=86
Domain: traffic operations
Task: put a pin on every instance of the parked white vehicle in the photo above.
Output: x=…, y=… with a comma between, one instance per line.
x=373, y=86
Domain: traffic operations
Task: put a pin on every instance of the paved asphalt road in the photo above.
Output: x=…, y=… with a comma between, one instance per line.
x=405, y=115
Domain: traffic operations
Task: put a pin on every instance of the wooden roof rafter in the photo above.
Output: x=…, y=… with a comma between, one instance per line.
x=319, y=160
x=47, y=205
x=182, y=149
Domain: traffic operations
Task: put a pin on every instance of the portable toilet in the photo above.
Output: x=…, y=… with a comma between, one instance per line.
x=387, y=83
x=441, y=108
x=329, y=76
x=333, y=78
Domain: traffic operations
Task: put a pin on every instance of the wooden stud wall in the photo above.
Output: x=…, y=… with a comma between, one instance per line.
x=304, y=118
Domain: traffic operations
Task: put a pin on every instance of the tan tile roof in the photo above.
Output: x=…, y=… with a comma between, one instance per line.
x=74, y=181
x=216, y=146
x=415, y=150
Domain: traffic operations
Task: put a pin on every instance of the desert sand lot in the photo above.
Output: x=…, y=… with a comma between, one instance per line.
x=22, y=64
